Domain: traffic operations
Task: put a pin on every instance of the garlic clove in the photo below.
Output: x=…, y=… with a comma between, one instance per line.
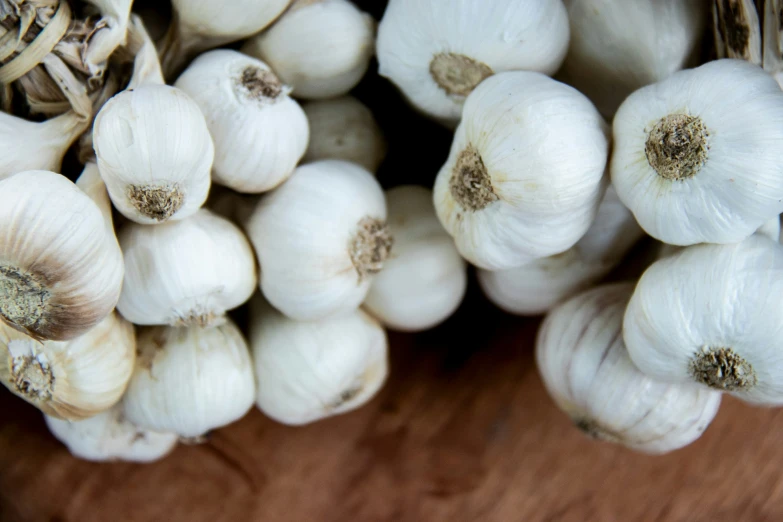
x=259, y=132
x=108, y=436
x=188, y=272
x=424, y=280
x=509, y=193
x=437, y=52
x=322, y=48
x=73, y=379
x=61, y=272
x=308, y=371
x=710, y=315
x=586, y=369
x=190, y=381
x=320, y=238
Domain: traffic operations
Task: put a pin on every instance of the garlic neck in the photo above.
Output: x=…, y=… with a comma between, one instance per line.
x=677, y=146
x=24, y=298
x=370, y=246
x=31, y=371
x=470, y=184
x=158, y=202
x=458, y=74
x=722, y=369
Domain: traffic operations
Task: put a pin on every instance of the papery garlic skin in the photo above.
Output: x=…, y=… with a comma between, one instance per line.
x=712, y=315
x=111, y=32
x=698, y=157
x=618, y=46
x=73, y=379
x=308, y=371
x=424, y=280
x=320, y=238
x=586, y=370
x=534, y=288
x=60, y=268
x=525, y=174
x=188, y=272
x=190, y=381
x=322, y=48
x=108, y=436
x=438, y=51
x=154, y=153
x=344, y=128
x=259, y=132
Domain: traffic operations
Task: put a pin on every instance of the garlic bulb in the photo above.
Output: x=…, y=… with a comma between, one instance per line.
x=344, y=128
x=424, y=280
x=307, y=371
x=190, y=381
x=618, y=46
x=187, y=272
x=73, y=379
x=697, y=156
x=61, y=270
x=322, y=48
x=108, y=436
x=260, y=134
x=587, y=371
x=711, y=314
x=437, y=51
x=320, y=238
x=534, y=288
x=525, y=174
x=203, y=24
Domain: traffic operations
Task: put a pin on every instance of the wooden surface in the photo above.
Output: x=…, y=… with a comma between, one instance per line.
x=463, y=431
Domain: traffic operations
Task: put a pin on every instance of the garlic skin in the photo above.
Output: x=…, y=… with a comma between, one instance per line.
x=61, y=270
x=424, y=280
x=113, y=26
x=108, y=436
x=154, y=153
x=190, y=381
x=259, y=132
x=187, y=272
x=345, y=129
x=308, y=371
x=586, y=370
x=506, y=180
x=697, y=156
x=436, y=51
x=618, y=46
x=73, y=379
x=320, y=238
x=710, y=315
x=536, y=287
x=322, y=48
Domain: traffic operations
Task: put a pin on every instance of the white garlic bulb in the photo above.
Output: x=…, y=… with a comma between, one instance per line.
x=259, y=132
x=438, y=51
x=344, y=128
x=190, y=381
x=187, y=272
x=534, y=288
x=61, y=270
x=72, y=379
x=322, y=48
x=697, y=156
x=711, y=315
x=424, y=280
x=307, y=371
x=525, y=174
x=618, y=46
x=108, y=436
x=320, y=238
x=587, y=371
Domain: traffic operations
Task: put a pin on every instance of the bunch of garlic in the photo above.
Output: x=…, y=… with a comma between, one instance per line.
x=587, y=371
x=525, y=174
x=321, y=48
x=320, y=238
x=437, y=51
x=259, y=132
x=191, y=380
x=536, y=287
x=307, y=371
x=424, y=280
